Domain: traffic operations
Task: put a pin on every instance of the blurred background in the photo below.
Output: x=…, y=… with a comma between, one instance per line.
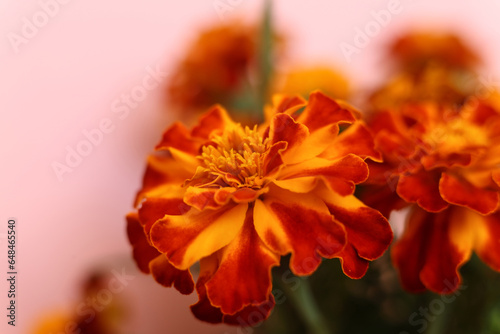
x=66, y=77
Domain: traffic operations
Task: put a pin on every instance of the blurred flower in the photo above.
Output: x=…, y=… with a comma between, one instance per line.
x=236, y=199
x=416, y=50
x=215, y=66
x=305, y=80
x=446, y=161
x=429, y=67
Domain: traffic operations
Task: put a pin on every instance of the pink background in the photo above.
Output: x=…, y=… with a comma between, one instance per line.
x=64, y=81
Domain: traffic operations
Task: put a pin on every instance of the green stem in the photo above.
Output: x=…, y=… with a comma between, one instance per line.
x=303, y=301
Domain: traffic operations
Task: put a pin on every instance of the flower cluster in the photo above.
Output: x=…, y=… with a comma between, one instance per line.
x=236, y=199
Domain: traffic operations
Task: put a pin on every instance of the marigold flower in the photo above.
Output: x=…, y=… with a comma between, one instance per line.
x=236, y=198
x=416, y=49
x=429, y=67
x=446, y=161
x=215, y=65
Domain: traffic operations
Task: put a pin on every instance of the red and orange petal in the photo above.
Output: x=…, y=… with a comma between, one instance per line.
x=299, y=224
x=187, y=238
x=432, y=249
x=365, y=242
x=422, y=188
x=245, y=256
x=461, y=192
x=249, y=315
x=149, y=260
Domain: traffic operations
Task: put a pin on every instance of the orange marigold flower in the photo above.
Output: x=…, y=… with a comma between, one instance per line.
x=447, y=162
x=237, y=198
x=215, y=66
x=429, y=67
x=416, y=49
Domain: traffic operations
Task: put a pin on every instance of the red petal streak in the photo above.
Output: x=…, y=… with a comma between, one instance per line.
x=244, y=274
x=167, y=275
x=461, y=192
x=187, y=238
x=322, y=111
x=300, y=224
x=422, y=188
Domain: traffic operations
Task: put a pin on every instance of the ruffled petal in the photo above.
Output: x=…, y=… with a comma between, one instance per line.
x=299, y=224
x=167, y=275
x=187, y=238
x=461, y=192
x=143, y=252
x=205, y=311
x=368, y=231
x=436, y=160
x=322, y=111
x=353, y=266
x=422, y=188
x=301, y=145
x=356, y=139
x=244, y=274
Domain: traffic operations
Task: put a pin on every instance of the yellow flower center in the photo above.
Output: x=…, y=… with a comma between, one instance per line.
x=235, y=157
x=456, y=135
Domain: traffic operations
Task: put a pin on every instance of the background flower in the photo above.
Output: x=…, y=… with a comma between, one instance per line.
x=446, y=162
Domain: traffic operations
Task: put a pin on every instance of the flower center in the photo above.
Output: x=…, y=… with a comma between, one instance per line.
x=235, y=157
x=457, y=135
